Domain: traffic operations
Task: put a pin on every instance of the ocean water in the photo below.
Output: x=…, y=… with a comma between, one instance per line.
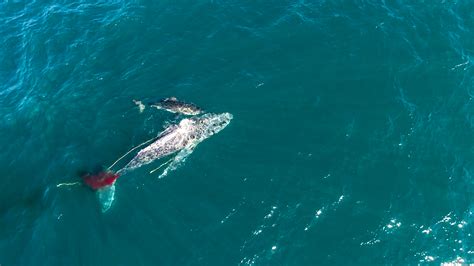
x=351, y=143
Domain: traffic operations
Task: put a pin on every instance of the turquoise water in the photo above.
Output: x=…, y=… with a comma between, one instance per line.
x=351, y=141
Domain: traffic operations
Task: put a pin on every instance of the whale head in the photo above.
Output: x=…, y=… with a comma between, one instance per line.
x=210, y=124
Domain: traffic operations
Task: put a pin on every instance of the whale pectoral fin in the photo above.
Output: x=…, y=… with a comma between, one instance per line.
x=177, y=160
x=106, y=197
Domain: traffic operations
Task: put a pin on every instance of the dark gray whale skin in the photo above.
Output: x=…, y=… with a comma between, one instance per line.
x=174, y=105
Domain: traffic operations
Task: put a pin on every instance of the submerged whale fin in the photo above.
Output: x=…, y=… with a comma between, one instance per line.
x=176, y=161
x=106, y=197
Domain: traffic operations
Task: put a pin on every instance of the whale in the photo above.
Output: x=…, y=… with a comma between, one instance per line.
x=180, y=139
x=174, y=105
x=185, y=135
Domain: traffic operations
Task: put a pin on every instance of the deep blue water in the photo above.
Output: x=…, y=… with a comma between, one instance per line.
x=351, y=143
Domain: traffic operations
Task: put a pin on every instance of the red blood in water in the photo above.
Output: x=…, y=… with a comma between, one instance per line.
x=100, y=180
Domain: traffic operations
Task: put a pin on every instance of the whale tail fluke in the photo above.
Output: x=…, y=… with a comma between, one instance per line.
x=106, y=196
x=103, y=183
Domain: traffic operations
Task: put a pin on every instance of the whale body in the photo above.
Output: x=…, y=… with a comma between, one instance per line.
x=174, y=105
x=180, y=138
x=185, y=135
